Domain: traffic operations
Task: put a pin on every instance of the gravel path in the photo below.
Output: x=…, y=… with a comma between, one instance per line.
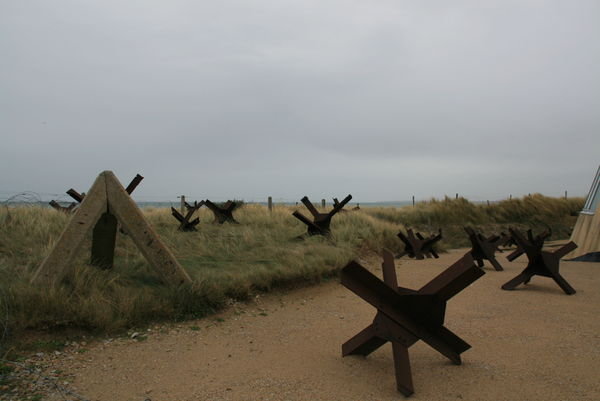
x=535, y=343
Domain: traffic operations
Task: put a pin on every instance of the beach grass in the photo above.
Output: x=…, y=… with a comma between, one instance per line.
x=229, y=262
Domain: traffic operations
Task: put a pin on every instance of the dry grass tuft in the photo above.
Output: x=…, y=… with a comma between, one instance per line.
x=226, y=261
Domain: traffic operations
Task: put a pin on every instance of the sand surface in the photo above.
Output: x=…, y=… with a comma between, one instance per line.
x=534, y=343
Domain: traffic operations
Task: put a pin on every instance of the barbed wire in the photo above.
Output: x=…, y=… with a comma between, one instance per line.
x=26, y=198
x=41, y=198
x=23, y=198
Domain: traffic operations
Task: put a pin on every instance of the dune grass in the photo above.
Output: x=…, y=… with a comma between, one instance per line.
x=537, y=212
x=227, y=262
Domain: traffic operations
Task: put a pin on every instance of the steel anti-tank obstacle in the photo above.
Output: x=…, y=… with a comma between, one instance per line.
x=418, y=247
x=223, y=214
x=537, y=241
x=337, y=202
x=540, y=262
x=483, y=248
x=500, y=241
x=505, y=240
x=185, y=222
x=60, y=208
x=405, y=316
x=321, y=221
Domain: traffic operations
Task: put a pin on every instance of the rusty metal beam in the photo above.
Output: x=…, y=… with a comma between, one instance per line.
x=133, y=184
x=57, y=206
x=405, y=316
x=186, y=224
x=417, y=246
x=540, y=262
x=223, y=214
x=321, y=221
x=538, y=241
x=75, y=195
x=483, y=248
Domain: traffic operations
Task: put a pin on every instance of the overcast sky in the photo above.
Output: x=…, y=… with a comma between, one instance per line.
x=245, y=99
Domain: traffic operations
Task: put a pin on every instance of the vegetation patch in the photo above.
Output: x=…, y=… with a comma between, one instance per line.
x=225, y=261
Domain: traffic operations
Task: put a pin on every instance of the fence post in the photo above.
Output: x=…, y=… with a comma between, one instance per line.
x=413, y=201
x=457, y=196
x=565, y=194
x=182, y=205
x=270, y=203
x=323, y=203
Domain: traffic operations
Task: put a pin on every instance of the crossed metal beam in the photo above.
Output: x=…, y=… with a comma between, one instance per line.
x=418, y=247
x=223, y=213
x=538, y=241
x=60, y=208
x=321, y=221
x=355, y=208
x=483, y=248
x=405, y=316
x=185, y=223
x=541, y=263
x=505, y=241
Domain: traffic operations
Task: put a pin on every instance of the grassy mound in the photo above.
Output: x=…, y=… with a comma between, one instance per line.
x=536, y=211
x=225, y=261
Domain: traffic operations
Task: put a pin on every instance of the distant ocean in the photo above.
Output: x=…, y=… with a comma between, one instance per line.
x=365, y=204
x=21, y=202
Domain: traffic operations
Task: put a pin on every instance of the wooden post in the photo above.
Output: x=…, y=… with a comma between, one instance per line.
x=323, y=203
x=270, y=203
x=565, y=194
x=510, y=197
x=457, y=196
x=182, y=205
x=488, y=203
x=413, y=201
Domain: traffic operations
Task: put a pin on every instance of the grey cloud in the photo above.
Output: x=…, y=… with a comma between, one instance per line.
x=482, y=98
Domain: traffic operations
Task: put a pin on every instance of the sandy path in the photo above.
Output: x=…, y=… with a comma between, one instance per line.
x=531, y=344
